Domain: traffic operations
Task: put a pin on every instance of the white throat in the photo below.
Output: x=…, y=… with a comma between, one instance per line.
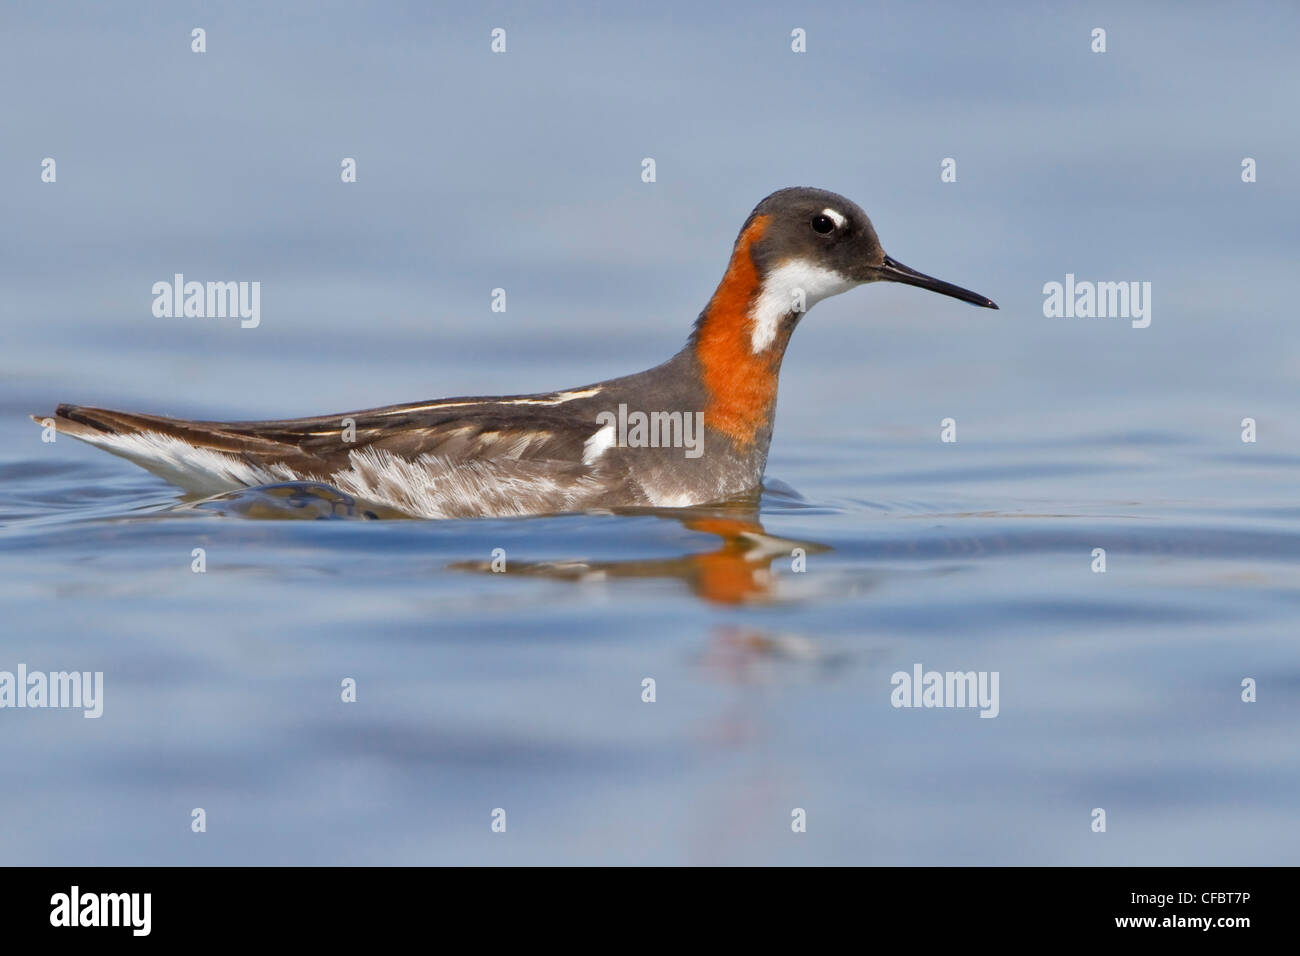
x=793, y=286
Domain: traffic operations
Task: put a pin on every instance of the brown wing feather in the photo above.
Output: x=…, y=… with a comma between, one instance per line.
x=466, y=430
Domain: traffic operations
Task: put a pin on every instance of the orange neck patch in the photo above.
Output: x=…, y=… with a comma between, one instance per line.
x=740, y=384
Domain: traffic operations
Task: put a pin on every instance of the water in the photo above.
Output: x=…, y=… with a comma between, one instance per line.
x=522, y=690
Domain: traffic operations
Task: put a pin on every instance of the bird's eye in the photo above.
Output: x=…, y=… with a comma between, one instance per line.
x=822, y=224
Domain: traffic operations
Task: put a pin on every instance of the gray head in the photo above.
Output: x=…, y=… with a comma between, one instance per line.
x=808, y=244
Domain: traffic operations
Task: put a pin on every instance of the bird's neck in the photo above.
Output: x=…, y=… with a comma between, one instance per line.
x=738, y=368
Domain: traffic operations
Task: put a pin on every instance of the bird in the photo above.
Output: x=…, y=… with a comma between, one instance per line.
x=691, y=431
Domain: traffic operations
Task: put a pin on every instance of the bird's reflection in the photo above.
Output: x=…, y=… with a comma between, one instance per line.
x=737, y=571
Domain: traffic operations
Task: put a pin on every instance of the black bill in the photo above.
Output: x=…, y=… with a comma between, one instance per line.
x=895, y=271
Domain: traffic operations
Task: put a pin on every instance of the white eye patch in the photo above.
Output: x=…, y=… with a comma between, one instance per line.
x=834, y=217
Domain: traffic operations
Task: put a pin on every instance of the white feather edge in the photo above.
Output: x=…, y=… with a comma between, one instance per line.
x=427, y=486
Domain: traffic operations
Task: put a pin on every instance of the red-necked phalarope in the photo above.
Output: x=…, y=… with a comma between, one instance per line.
x=693, y=430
